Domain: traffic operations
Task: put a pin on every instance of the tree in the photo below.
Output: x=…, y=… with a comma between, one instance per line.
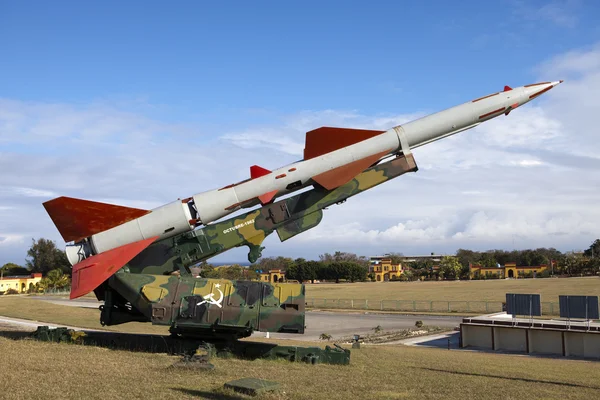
x=531, y=257
x=293, y=272
x=335, y=271
x=396, y=257
x=206, y=271
x=422, y=268
x=312, y=270
x=594, y=249
x=302, y=270
x=465, y=272
x=356, y=272
x=340, y=256
x=233, y=272
x=466, y=257
x=9, y=269
x=487, y=260
x=43, y=256
x=574, y=264
x=268, y=263
x=450, y=267
x=55, y=279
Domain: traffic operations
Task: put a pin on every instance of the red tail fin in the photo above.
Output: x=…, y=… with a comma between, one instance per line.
x=257, y=172
x=90, y=273
x=77, y=219
x=324, y=140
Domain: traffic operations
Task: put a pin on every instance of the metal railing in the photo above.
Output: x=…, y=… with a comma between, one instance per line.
x=429, y=306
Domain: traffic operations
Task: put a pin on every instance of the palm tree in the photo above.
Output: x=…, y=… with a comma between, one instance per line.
x=55, y=279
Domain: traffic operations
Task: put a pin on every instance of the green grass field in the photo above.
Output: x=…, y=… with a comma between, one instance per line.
x=35, y=370
x=489, y=290
x=30, y=369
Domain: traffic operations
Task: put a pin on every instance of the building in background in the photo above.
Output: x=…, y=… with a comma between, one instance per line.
x=387, y=267
x=272, y=276
x=385, y=270
x=509, y=270
x=20, y=283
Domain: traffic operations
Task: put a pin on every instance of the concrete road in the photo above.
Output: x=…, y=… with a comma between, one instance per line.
x=339, y=324
x=336, y=324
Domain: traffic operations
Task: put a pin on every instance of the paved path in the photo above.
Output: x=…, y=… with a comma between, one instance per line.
x=347, y=324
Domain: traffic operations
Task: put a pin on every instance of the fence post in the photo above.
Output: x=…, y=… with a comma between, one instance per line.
x=448, y=306
x=397, y=305
x=351, y=303
x=431, y=306
x=381, y=305
x=414, y=306
x=366, y=304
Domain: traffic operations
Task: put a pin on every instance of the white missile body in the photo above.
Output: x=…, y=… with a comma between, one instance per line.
x=207, y=207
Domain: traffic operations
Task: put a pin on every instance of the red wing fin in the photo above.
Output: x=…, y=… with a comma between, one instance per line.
x=324, y=140
x=267, y=197
x=344, y=174
x=88, y=274
x=76, y=219
x=257, y=171
x=507, y=88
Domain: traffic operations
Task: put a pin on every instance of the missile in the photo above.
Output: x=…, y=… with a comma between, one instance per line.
x=107, y=236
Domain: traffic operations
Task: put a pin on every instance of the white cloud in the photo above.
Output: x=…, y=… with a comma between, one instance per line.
x=265, y=138
x=8, y=239
x=27, y=192
x=289, y=137
x=527, y=163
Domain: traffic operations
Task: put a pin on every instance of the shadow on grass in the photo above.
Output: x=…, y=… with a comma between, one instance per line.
x=14, y=334
x=509, y=378
x=147, y=343
x=209, y=395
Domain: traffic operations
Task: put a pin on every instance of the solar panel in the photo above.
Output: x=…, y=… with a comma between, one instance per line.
x=580, y=307
x=523, y=304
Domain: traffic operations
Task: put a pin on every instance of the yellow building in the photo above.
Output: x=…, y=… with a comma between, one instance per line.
x=273, y=276
x=21, y=283
x=510, y=270
x=384, y=270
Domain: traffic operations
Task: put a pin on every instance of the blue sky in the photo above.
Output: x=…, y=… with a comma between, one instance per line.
x=203, y=60
x=210, y=89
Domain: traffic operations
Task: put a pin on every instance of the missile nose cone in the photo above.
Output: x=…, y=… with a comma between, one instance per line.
x=534, y=90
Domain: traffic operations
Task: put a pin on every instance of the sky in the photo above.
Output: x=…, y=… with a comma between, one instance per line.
x=139, y=103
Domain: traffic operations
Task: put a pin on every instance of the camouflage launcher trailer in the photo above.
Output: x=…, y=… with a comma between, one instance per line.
x=207, y=309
